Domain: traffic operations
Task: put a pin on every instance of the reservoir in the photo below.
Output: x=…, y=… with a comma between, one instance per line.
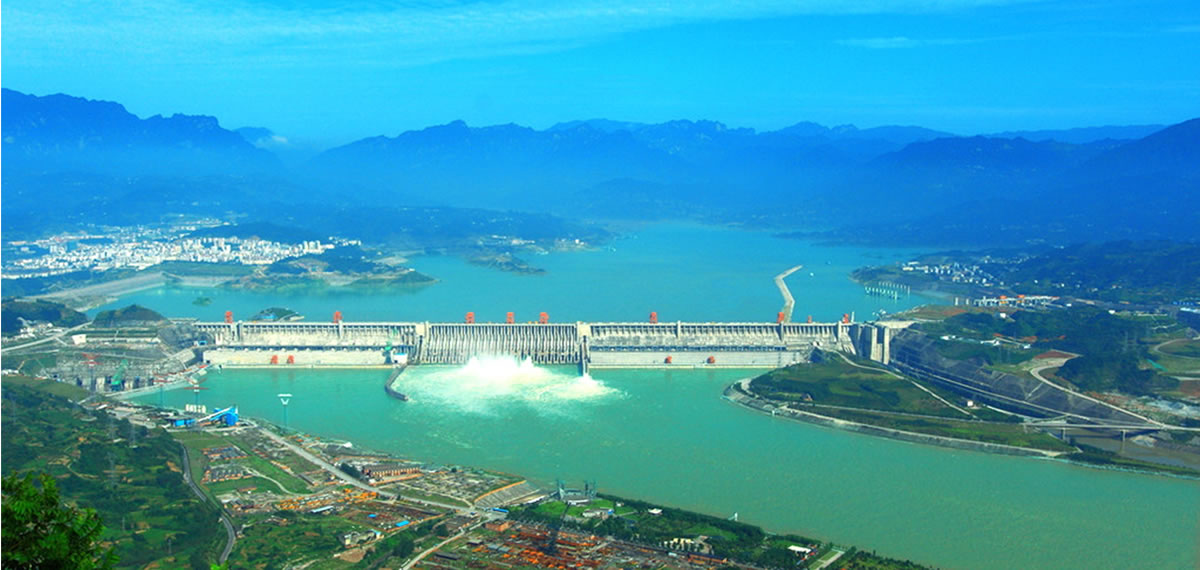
x=684, y=272
x=669, y=437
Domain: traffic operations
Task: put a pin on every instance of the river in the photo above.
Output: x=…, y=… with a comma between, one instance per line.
x=668, y=436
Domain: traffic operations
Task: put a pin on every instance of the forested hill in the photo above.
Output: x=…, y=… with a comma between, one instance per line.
x=129, y=474
x=1148, y=271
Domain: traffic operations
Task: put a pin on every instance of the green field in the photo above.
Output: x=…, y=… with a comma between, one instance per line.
x=222, y=487
x=62, y=389
x=293, y=539
x=1095, y=456
x=199, y=440
x=988, y=432
x=835, y=382
x=1186, y=349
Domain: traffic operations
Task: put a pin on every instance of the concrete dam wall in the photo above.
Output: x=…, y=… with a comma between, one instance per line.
x=586, y=344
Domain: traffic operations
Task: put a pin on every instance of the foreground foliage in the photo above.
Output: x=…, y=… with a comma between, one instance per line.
x=41, y=532
x=129, y=475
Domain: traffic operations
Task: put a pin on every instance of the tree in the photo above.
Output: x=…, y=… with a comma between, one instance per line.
x=41, y=532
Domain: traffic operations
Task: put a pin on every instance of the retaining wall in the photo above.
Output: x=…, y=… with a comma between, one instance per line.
x=303, y=357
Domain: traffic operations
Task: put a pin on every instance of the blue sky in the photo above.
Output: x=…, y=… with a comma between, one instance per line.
x=335, y=71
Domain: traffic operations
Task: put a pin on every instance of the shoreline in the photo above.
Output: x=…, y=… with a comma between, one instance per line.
x=734, y=395
x=89, y=297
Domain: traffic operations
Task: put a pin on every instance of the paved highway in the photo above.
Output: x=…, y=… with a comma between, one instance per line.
x=228, y=524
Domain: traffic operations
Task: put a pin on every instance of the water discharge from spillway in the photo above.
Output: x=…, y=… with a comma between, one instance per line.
x=486, y=383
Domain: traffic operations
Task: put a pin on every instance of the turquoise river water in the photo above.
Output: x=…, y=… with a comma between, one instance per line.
x=668, y=436
x=688, y=273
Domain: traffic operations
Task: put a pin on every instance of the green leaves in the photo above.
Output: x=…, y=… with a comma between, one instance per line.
x=41, y=532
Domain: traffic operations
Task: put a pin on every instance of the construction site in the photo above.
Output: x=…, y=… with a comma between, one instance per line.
x=111, y=359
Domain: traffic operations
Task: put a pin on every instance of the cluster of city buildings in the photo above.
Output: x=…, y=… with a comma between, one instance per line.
x=953, y=272
x=139, y=247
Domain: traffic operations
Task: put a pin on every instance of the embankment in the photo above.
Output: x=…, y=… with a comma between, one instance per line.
x=95, y=295
x=387, y=385
x=298, y=356
x=738, y=394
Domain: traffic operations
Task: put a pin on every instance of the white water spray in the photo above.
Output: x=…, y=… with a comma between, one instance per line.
x=488, y=382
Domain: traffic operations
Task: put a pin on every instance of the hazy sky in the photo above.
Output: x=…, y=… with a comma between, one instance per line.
x=335, y=71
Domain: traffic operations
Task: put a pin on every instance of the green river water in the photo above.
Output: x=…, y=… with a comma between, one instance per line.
x=669, y=437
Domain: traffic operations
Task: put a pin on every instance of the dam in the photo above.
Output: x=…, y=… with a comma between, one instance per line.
x=587, y=344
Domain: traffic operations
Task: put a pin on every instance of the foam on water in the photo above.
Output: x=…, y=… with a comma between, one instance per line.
x=488, y=382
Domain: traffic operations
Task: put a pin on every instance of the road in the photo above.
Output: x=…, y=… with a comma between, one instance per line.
x=1157, y=349
x=830, y=560
x=45, y=340
x=431, y=550
x=228, y=524
x=347, y=478
x=323, y=464
x=1036, y=372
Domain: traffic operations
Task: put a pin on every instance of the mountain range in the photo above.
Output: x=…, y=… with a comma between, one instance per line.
x=891, y=184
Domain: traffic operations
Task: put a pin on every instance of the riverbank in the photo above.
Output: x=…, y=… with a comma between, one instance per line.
x=740, y=394
x=92, y=296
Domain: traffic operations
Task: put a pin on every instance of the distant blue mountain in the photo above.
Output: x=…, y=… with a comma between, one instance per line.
x=1084, y=135
x=64, y=133
x=983, y=191
x=255, y=135
x=99, y=160
x=898, y=134
x=519, y=167
x=602, y=125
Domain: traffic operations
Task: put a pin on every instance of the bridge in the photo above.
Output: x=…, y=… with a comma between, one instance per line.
x=601, y=344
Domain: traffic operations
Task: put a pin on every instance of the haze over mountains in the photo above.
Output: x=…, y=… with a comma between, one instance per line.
x=883, y=185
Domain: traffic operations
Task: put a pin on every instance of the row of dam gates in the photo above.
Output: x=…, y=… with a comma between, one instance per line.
x=585, y=344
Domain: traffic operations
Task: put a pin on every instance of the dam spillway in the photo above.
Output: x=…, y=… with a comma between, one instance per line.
x=588, y=344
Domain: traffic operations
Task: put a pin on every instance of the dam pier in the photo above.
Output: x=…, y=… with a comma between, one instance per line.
x=585, y=344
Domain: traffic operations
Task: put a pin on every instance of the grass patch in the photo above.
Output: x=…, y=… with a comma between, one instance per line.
x=289, y=481
x=996, y=355
x=834, y=382
x=222, y=487
x=1097, y=456
x=1186, y=349
x=987, y=432
x=1174, y=364
x=197, y=441
x=297, y=538
x=63, y=389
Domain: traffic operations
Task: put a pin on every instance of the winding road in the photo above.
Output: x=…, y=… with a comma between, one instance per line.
x=228, y=524
x=1036, y=372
